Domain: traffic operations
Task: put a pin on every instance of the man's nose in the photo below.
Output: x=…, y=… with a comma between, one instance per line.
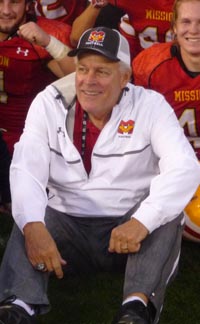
x=195, y=28
x=91, y=76
x=5, y=7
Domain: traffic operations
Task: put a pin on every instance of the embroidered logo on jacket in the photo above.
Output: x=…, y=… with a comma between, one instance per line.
x=61, y=131
x=126, y=127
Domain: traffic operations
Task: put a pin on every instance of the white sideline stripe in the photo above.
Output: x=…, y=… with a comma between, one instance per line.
x=174, y=267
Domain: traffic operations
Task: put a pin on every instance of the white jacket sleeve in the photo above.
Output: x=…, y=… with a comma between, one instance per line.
x=29, y=170
x=179, y=176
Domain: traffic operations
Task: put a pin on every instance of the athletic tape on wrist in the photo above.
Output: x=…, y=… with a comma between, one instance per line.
x=57, y=49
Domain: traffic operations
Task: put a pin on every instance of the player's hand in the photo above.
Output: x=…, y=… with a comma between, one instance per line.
x=34, y=34
x=127, y=238
x=41, y=248
x=99, y=3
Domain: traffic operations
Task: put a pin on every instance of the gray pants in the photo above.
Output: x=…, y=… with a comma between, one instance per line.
x=83, y=242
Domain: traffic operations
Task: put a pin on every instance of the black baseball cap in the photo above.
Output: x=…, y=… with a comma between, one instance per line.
x=105, y=41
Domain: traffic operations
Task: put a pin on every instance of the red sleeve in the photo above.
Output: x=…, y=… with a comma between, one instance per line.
x=150, y=20
x=62, y=10
x=58, y=29
x=147, y=60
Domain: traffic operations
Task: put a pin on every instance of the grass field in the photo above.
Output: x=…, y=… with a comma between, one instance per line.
x=95, y=300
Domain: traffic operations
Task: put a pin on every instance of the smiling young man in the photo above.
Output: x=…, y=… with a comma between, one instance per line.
x=116, y=190
x=25, y=67
x=173, y=69
x=12, y=15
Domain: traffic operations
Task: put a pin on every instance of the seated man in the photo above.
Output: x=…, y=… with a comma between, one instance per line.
x=116, y=185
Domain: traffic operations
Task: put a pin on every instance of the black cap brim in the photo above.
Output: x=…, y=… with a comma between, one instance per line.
x=77, y=51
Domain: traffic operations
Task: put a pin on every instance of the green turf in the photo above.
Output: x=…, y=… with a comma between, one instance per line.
x=95, y=300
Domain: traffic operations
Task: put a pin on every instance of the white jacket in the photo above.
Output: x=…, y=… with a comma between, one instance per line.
x=155, y=156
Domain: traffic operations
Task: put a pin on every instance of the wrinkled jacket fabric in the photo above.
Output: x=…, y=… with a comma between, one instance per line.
x=141, y=147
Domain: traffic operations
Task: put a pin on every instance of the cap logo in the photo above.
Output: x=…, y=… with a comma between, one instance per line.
x=96, y=37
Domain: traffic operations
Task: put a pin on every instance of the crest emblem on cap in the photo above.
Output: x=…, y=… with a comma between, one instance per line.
x=96, y=36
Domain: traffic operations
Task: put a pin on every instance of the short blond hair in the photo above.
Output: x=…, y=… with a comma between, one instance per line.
x=176, y=6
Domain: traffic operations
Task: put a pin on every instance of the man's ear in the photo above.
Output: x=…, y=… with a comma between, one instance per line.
x=174, y=29
x=126, y=77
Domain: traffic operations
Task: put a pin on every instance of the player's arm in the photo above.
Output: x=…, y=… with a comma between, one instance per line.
x=86, y=20
x=61, y=64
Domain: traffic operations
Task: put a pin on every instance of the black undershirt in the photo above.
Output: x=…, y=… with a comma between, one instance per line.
x=175, y=50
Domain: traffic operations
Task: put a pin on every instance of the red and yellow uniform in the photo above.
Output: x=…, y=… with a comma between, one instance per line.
x=23, y=73
x=65, y=10
x=160, y=68
x=149, y=20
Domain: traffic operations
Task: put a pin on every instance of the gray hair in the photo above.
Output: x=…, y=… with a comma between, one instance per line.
x=123, y=67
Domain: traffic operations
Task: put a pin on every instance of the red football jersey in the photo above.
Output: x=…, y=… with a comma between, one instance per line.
x=159, y=68
x=23, y=73
x=150, y=21
x=65, y=10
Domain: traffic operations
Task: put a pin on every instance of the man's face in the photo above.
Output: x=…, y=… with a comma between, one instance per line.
x=12, y=15
x=99, y=83
x=187, y=27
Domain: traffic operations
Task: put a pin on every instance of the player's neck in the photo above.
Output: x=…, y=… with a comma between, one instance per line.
x=191, y=61
x=3, y=36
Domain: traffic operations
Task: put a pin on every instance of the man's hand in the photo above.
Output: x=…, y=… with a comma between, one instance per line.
x=127, y=238
x=34, y=34
x=41, y=248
